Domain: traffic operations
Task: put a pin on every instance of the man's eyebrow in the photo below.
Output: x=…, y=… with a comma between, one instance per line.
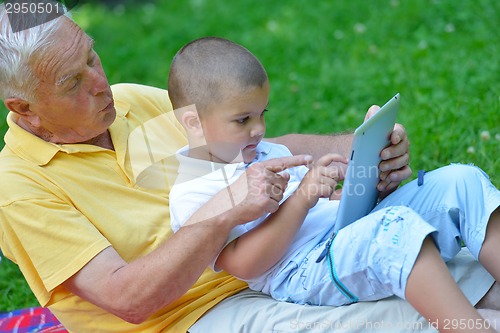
x=66, y=77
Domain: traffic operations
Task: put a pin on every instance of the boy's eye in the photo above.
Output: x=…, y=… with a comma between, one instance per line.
x=242, y=120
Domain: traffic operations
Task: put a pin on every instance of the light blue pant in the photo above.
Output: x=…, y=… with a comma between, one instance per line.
x=372, y=258
x=457, y=199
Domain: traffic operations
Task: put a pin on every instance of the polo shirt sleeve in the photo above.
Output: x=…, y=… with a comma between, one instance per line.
x=49, y=239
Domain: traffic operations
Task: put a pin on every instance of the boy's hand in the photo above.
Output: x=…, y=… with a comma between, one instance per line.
x=261, y=188
x=321, y=180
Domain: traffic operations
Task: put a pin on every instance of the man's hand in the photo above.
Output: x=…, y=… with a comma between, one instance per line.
x=394, y=167
x=256, y=192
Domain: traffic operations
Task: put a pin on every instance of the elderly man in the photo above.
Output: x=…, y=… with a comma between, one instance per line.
x=84, y=212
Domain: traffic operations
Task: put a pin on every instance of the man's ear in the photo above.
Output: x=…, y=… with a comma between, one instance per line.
x=22, y=108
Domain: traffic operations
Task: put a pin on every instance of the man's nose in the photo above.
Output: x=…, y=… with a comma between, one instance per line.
x=99, y=83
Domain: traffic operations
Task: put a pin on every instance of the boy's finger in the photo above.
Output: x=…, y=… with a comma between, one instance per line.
x=283, y=163
x=330, y=158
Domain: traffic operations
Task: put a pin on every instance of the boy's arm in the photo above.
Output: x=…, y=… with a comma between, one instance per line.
x=255, y=252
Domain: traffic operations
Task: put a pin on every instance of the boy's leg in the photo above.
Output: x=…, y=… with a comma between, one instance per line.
x=433, y=292
x=458, y=200
x=491, y=300
x=367, y=261
x=390, y=252
x=488, y=256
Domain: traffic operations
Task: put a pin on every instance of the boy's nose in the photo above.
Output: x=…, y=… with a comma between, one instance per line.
x=258, y=130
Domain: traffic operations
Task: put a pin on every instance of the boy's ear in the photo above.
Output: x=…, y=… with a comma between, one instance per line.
x=190, y=120
x=192, y=123
x=22, y=108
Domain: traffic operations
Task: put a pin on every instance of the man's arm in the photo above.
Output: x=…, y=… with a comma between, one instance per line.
x=395, y=158
x=134, y=291
x=316, y=145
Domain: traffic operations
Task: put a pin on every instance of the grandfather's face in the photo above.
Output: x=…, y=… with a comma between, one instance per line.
x=74, y=102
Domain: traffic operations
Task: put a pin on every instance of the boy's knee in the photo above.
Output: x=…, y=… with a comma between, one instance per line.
x=459, y=174
x=405, y=217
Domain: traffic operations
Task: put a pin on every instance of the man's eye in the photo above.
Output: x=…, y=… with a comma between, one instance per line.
x=91, y=61
x=74, y=83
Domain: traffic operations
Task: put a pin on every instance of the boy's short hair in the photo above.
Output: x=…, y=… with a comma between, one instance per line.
x=206, y=70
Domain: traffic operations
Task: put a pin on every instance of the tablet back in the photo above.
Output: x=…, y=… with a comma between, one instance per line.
x=359, y=192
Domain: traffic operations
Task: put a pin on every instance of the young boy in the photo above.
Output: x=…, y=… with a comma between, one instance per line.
x=220, y=93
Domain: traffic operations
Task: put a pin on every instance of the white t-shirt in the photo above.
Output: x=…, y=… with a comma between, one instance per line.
x=199, y=180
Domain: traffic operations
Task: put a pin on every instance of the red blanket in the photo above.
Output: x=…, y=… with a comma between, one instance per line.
x=31, y=320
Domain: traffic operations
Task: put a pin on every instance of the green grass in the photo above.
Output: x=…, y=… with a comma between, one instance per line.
x=328, y=61
x=14, y=292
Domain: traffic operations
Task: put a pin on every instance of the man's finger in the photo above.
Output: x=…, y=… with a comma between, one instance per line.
x=393, y=178
x=337, y=193
x=272, y=206
x=395, y=150
x=371, y=111
x=401, y=174
x=282, y=163
x=382, y=187
x=395, y=163
x=398, y=134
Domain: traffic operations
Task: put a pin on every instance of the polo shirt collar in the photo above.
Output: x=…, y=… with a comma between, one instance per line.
x=28, y=146
x=36, y=150
x=119, y=131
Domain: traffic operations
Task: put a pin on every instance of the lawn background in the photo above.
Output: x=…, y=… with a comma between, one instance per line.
x=328, y=61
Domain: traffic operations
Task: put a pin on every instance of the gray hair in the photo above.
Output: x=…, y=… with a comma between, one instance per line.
x=17, y=52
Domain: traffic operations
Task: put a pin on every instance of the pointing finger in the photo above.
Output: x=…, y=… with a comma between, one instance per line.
x=283, y=163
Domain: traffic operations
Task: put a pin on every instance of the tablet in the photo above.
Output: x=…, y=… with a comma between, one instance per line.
x=359, y=191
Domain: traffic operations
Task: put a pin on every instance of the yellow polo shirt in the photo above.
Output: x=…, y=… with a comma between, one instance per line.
x=60, y=205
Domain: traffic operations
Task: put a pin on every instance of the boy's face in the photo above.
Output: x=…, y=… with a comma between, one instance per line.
x=234, y=127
